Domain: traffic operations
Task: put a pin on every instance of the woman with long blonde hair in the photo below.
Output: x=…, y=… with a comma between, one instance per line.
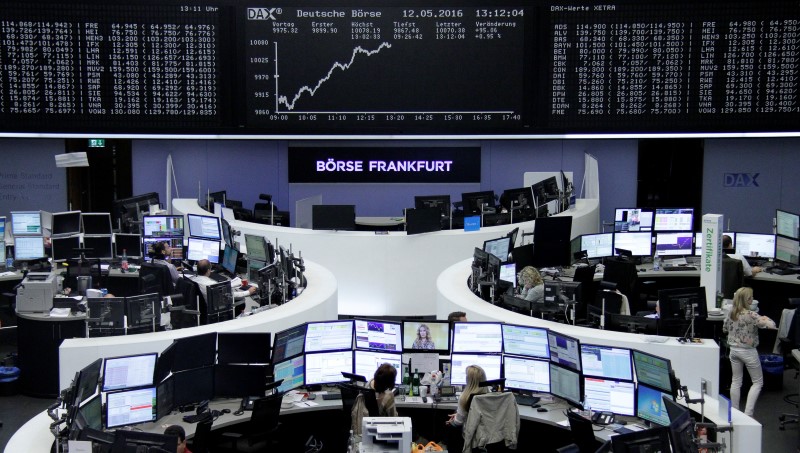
x=742, y=326
x=531, y=284
x=475, y=375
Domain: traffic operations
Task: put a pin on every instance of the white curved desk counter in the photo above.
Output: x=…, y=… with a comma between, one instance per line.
x=390, y=274
x=318, y=302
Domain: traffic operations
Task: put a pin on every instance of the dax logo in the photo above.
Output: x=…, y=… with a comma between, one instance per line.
x=740, y=180
x=263, y=13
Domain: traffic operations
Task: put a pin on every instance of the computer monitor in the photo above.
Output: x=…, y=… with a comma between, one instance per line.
x=520, y=200
x=218, y=197
x=699, y=242
x=89, y=379
x=366, y=362
x=499, y=247
x=755, y=244
x=426, y=336
x=675, y=244
x=143, y=311
x=239, y=381
x=477, y=337
x=292, y=371
x=526, y=374
x=787, y=250
x=681, y=428
x=195, y=351
x=561, y=292
x=26, y=223
x=650, y=405
x=475, y=203
x=440, y=202
x=176, y=244
x=564, y=350
x=653, y=371
x=2, y=227
x=508, y=273
x=459, y=363
x=90, y=414
x=609, y=395
x=194, y=386
x=203, y=226
x=243, y=347
x=127, y=244
x=787, y=224
x=333, y=217
x=130, y=407
x=259, y=249
x=680, y=303
x=201, y=248
x=648, y=440
x=162, y=226
x=129, y=371
x=96, y=223
x=551, y=242
x=229, y=258
x=66, y=223
x=219, y=297
x=2, y=253
x=673, y=219
x=329, y=336
x=423, y=220
x=98, y=247
x=632, y=219
x=480, y=259
x=64, y=248
x=598, y=245
x=289, y=343
x=606, y=362
x=379, y=335
x=28, y=248
x=640, y=244
x=164, y=363
x=126, y=212
x=566, y=383
x=165, y=396
x=545, y=191
x=525, y=341
x=327, y=367
x=109, y=311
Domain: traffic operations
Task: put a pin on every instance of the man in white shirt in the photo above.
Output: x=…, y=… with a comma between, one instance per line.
x=727, y=244
x=203, y=280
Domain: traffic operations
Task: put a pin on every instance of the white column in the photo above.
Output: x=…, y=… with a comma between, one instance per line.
x=711, y=261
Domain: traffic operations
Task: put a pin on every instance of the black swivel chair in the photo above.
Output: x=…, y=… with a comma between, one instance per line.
x=732, y=276
x=788, y=343
x=261, y=430
x=185, y=311
x=585, y=275
x=582, y=432
x=155, y=278
x=202, y=436
x=623, y=273
x=571, y=448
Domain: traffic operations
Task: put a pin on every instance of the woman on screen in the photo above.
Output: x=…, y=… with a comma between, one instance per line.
x=531, y=285
x=424, y=340
x=742, y=326
x=475, y=375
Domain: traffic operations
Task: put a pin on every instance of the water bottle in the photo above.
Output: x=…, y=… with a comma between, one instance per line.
x=407, y=381
x=124, y=263
x=656, y=262
x=415, y=383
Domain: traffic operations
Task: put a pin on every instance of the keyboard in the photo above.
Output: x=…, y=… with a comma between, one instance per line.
x=679, y=268
x=332, y=396
x=194, y=418
x=448, y=399
x=217, y=277
x=526, y=400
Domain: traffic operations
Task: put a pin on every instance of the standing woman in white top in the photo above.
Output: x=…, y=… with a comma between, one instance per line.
x=742, y=326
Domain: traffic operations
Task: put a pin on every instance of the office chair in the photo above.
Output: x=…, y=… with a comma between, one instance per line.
x=732, y=276
x=498, y=413
x=789, y=342
x=262, y=429
x=571, y=448
x=582, y=432
x=201, y=440
x=585, y=275
x=623, y=273
x=155, y=278
x=185, y=310
x=351, y=396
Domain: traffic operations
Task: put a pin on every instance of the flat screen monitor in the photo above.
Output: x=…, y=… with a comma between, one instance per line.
x=566, y=384
x=203, y=249
x=499, y=247
x=653, y=440
x=96, y=223
x=545, y=190
x=650, y=405
x=98, y=247
x=640, y=244
x=2, y=227
x=26, y=223
x=787, y=224
x=632, y=220
x=219, y=297
x=130, y=407
x=609, y=395
x=475, y=203
x=564, y=350
x=526, y=374
x=129, y=371
x=203, y=226
x=333, y=217
x=28, y=247
x=379, y=335
x=64, y=248
x=243, y=347
x=2, y=252
x=109, y=310
x=164, y=363
x=176, y=244
x=525, y=341
x=327, y=367
x=227, y=237
x=90, y=378
x=66, y=223
x=128, y=244
x=675, y=244
x=787, y=250
x=426, y=336
x=229, y=258
x=755, y=244
x=366, y=362
x=508, y=273
x=486, y=337
x=423, y=220
x=680, y=303
x=652, y=370
x=195, y=351
x=218, y=197
x=598, y=245
x=292, y=371
x=144, y=311
x=606, y=362
x=440, y=202
x=459, y=363
x=673, y=219
x=194, y=386
x=91, y=414
x=551, y=242
x=165, y=395
x=257, y=248
x=162, y=226
x=289, y=343
x=239, y=381
x=125, y=212
x=520, y=200
x=561, y=292
x=329, y=336
x=699, y=242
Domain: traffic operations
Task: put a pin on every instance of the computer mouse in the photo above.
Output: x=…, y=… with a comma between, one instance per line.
x=642, y=270
x=226, y=411
x=424, y=399
x=622, y=422
x=541, y=409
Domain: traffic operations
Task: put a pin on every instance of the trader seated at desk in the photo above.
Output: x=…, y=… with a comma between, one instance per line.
x=161, y=250
x=203, y=280
x=531, y=285
x=727, y=246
